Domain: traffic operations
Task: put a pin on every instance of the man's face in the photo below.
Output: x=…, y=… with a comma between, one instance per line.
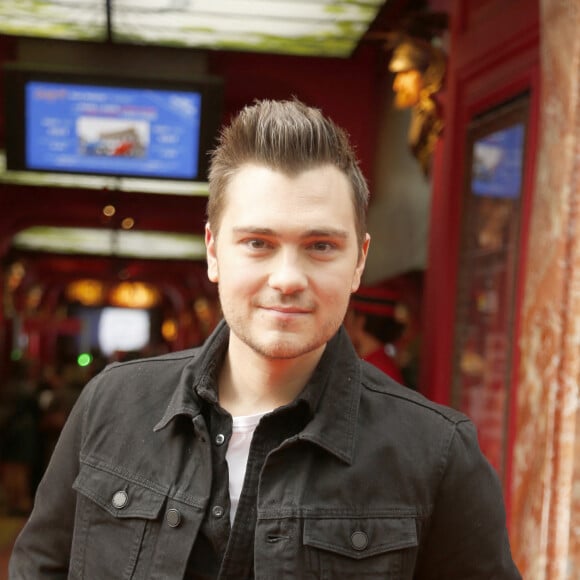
x=407, y=86
x=286, y=258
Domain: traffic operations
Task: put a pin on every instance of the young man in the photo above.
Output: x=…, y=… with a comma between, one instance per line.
x=272, y=451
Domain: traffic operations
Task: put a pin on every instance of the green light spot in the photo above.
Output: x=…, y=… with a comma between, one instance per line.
x=84, y=359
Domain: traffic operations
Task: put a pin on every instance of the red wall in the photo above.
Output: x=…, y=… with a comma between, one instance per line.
x=348, y=90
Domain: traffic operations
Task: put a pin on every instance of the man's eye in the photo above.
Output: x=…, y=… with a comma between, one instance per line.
x=254, y=244
x=322, y=246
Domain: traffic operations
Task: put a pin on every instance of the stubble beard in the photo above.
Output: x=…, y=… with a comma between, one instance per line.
x=288, y=347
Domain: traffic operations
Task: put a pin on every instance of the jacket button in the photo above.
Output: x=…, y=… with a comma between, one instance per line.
x=219, y=440
x=217, y=511
x=173, y=518
x=120, y=499
x=359, y=540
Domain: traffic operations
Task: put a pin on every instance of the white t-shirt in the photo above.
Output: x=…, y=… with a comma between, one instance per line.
x=243, y=428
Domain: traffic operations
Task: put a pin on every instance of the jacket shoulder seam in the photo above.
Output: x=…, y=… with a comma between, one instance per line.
x=451, y=415
x=166, y=358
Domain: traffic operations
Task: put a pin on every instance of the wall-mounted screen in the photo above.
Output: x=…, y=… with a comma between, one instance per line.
x=64, y=122
x=123, y=329
x=111, y=329
x=497, y=163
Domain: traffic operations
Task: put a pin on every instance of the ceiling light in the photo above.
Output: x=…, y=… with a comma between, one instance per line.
x=93, y=241
x=313, y=27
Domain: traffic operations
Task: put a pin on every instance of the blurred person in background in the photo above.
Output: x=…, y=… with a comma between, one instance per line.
x=375, y=321
x=19, y=441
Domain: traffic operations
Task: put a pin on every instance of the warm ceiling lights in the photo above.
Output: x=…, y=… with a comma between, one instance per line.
x=128, y=223
x=134, y=295
x=86, y=292
x=109, y=210
x=128, y=294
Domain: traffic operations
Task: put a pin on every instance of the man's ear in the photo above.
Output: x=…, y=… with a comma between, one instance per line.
x=360, y=264
x=211, y=254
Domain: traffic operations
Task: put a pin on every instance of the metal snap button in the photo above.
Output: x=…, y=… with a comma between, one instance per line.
x=219, y=440
x=173, y=517
x=359, y=540
x=217, y=511
x=120, y=499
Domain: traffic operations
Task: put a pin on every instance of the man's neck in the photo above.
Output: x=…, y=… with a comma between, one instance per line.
x=250, y=383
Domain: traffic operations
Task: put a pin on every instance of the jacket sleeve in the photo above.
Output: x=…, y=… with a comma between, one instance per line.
x=467, y=535
x=42, y=550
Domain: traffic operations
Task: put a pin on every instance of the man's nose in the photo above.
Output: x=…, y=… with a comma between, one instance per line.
x=288, y=275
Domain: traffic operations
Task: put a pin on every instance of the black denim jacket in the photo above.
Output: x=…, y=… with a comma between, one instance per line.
x=380, y=483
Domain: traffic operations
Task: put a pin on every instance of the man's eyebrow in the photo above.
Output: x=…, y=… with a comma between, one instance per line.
x=322, y=232
x=253, y=230
x=326, y=233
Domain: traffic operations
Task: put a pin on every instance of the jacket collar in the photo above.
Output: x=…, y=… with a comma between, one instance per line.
x=337, y=383
x=332, y=394
x=198, y=378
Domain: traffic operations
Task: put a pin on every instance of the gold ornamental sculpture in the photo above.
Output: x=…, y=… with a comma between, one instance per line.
x=419, y=69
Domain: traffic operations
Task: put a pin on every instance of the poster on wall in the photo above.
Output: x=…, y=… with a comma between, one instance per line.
x=488, y=274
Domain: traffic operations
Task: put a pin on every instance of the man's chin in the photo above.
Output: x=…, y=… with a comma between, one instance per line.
x=284, y=349
x=281, y=352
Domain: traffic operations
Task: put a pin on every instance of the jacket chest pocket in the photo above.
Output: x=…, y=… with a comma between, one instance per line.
x=114, y=525
x=362, y=547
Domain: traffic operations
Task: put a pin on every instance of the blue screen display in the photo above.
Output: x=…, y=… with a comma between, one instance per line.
x=498, y=162
x=112, y=130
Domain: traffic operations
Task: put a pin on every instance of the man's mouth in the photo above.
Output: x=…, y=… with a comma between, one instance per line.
x=288, y=309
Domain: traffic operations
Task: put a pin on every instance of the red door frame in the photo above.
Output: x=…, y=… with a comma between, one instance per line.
x=494, y=57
